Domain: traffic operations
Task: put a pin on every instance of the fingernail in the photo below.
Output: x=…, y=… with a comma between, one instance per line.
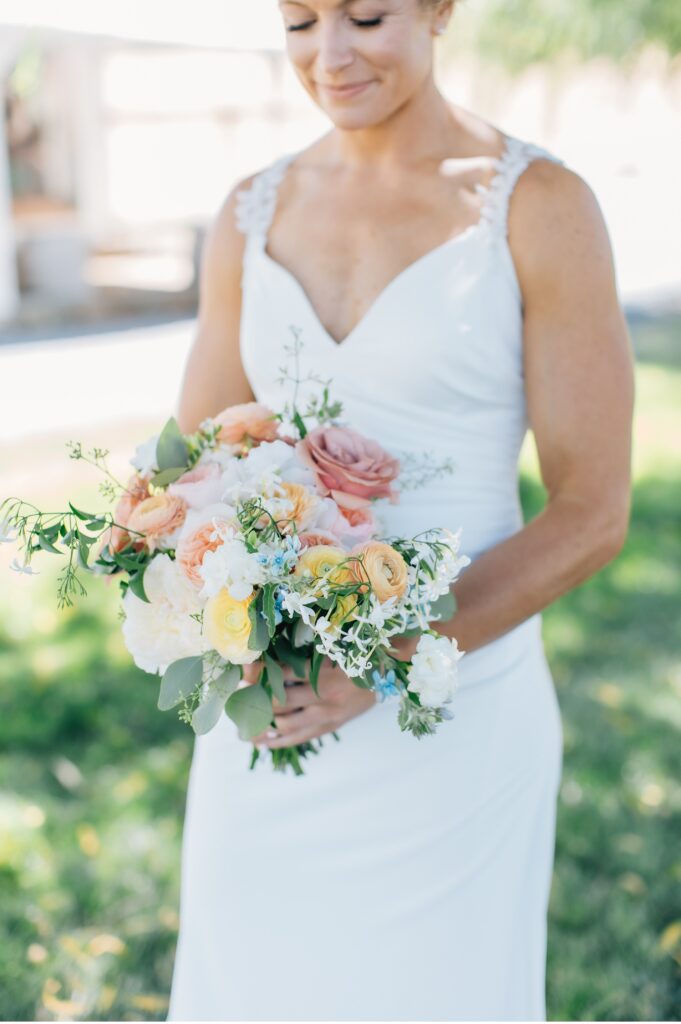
x=272, y=734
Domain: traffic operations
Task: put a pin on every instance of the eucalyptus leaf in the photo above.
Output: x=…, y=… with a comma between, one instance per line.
x=179, y=681
x=226, y=683
x=168, y=476
x=171, y=448
x=250, y=708
x=207, y=715
x=269, y=608
x=275, y=677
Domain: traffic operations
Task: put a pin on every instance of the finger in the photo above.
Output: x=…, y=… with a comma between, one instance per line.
x=251, y=672
x=304, y=734
x=298, y=695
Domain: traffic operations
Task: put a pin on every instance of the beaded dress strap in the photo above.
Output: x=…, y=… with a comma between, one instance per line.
x=255, y=205
x=517, y=155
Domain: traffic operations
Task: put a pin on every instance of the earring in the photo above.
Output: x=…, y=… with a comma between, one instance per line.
x=440, y=30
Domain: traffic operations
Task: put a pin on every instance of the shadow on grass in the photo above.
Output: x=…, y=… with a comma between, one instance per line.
x=93, y=782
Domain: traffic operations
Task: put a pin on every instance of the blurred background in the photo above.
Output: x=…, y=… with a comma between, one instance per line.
x=124, y=127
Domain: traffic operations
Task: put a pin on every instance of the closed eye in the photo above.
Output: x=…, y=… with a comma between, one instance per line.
x=360, y=23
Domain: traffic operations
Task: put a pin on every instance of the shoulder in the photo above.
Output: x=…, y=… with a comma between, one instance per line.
x=555, y=225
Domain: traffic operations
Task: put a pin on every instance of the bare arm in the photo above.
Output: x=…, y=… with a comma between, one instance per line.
x=214, y=376
x=579, y=386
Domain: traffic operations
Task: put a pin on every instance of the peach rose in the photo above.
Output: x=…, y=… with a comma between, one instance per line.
x=384, y=568
x=355, y=526
x=137, y=491
x=191, y=550
x=251, y=421
x=315, y=538
x=349, y=467
x=305, y=503
x=199, y=487
x=158, y=517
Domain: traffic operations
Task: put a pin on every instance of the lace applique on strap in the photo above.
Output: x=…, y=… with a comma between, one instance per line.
x=509, y=166
x=255, y=205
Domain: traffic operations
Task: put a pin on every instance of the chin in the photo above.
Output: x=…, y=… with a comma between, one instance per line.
x=358, y=117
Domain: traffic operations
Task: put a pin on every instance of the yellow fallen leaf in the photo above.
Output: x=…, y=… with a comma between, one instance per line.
x=670, y=937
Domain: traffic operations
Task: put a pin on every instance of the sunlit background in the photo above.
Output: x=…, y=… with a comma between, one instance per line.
x=124, y=127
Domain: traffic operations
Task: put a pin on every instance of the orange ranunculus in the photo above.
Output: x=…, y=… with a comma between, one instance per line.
x=384, y=568
x=137, y=491
x=192, y=549
x=157, y=517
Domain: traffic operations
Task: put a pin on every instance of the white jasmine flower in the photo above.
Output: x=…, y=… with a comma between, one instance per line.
x=433, y=674
x=144, y=459
x=158, y=633
x=24, y=568
x=232, y=566
x=7, y=532
x=298, y=604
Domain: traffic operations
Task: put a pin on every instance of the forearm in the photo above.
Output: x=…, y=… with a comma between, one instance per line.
x=556, y=551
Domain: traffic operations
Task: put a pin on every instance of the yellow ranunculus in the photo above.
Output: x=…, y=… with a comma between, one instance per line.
x=325, y=560
x=227, y=627
x=319, y=560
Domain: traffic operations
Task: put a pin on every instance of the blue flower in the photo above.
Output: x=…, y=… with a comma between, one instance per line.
x=385, y=686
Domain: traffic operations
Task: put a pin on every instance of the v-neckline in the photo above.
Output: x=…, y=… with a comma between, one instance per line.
x=469, y=231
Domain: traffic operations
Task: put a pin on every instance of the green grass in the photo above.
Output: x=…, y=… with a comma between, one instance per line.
x=92, y=776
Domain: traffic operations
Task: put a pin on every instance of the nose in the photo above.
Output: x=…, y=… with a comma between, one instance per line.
x=335, y=52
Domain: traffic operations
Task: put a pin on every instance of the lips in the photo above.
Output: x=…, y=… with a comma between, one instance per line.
x=340, y=91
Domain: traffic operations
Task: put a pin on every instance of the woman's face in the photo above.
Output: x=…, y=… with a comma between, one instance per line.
x=361, y=60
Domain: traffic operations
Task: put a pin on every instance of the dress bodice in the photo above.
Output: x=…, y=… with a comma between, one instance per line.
x=435, y=365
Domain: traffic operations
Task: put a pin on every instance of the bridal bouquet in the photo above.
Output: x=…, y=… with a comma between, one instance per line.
x=258, y=538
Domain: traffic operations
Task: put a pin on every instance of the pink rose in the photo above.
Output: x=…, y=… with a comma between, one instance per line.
x=248, y=422
x=349, y=467
x=199, y=487
x=157, y=518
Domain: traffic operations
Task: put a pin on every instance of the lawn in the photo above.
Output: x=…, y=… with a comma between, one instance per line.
x=92, y=776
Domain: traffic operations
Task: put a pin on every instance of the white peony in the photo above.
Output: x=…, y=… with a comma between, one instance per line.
x=144, y=459
x=231, y=566
x=433, y=674
x=161, y=632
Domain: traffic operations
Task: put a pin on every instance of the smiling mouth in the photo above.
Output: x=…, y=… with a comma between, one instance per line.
x=344, y=90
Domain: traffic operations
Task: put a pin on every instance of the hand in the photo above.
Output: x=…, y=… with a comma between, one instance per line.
x=404, y=648
x=306, y=716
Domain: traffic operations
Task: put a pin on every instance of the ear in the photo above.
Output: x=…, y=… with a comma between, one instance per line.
x=441, y=14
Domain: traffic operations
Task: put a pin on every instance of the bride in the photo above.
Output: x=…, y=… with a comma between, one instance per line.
x=456, y=284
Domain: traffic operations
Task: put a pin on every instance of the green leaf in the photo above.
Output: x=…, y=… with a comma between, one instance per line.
x=290, y=656
x=136, y=584
x=171, y=449
x=300, y=423
x=269, y=607
x=83, y=552
x=302, y=634
x=80, y=515
x=250, y=708
x=444, y=606
x=47, y=545
x=179, y=681
x=275, y=677
x=168, y=476
x=207, y=715
x=259, y=638
x=315, y=665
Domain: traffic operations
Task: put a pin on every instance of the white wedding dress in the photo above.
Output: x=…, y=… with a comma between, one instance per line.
x=399, y=879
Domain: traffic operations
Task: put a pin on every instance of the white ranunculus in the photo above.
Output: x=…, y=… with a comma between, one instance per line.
x=161, y=632
x=433, y=674
x=232, y=566
x=144, y=459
